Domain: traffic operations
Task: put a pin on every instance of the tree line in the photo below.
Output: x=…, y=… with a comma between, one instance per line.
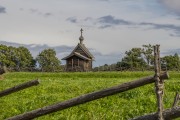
x=20, y=59
x=141, y=58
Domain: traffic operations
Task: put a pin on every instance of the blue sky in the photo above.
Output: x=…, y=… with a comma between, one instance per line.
x=110, y=26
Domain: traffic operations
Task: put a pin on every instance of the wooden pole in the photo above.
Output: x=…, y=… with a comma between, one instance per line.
x=87, y=98
x=158, y=83
x=72, y=63
x=168, y=114
x=18, y=87
x=176, y=100
x=78, y=62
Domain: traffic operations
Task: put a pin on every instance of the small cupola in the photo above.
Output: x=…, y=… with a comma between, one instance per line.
x=81, y=38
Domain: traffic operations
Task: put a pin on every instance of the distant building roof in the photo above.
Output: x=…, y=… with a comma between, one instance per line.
x=84, y=49
x=78, y=55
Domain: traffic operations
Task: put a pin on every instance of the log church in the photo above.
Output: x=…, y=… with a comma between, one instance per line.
x=80, y=59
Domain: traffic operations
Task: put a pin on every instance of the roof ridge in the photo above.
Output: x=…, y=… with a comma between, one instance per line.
x=86, y=50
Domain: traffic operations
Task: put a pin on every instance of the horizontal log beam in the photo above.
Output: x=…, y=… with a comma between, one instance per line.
x=86, y=98
x=18, y=87
x=168, y=114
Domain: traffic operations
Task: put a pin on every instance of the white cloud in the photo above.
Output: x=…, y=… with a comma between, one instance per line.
x=26, y=23
x=172, y=4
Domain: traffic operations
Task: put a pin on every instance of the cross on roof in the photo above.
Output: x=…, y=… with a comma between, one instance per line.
x=81, y=31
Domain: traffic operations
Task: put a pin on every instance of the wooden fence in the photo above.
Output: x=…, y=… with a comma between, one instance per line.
x=158, y=79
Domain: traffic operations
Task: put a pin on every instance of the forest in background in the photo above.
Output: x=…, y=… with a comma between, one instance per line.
x=136, y=59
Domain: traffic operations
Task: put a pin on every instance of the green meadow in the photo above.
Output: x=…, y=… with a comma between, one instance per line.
x=58, y=87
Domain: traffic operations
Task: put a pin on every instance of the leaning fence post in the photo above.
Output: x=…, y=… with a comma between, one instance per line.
x=159, y=83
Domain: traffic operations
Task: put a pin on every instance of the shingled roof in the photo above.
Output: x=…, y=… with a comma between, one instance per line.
x=78, y=55
x=82, y=46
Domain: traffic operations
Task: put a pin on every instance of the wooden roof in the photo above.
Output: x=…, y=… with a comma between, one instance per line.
x=83, y=48
x=78, y=55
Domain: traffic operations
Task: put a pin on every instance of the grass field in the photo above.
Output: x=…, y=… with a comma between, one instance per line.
x=57, y=87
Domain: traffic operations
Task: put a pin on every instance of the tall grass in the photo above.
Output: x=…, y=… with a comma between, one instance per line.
x=58, y=87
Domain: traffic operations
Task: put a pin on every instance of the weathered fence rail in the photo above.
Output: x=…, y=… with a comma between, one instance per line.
x=19, y=87
x=168, y=114
x=87, y=98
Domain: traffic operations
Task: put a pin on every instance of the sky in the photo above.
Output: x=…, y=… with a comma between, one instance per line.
x=110, y=26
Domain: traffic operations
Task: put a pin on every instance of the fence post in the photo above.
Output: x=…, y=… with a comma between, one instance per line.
x=159, y=84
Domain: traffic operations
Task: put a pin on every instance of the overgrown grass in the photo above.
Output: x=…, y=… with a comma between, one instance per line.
x=58, y=87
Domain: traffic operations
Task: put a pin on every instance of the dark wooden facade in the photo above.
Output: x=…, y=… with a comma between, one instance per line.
x=80, y=59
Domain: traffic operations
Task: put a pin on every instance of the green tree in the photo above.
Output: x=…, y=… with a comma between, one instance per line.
x=177, y=61
x=148, y=54
x=48, y=61
x=106, y=67
x=11, y=56
x=24, y=58
x=171, y=62
x=133, y=58
x=7, y=56
x=3, y=59
x=112, y=67
x=14, y=58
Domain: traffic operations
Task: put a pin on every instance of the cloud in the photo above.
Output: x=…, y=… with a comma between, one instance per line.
x=175, y=28
x=48, y=14
x=38, y=12
x=170, y=51
x=72, y=19
x=104, y=0
x=104, y=22
x=2, y=9
x=34, y=10
x=21, y=9
x=105, y=26
x=88, y=19
x=173, y=5
x=111, y=20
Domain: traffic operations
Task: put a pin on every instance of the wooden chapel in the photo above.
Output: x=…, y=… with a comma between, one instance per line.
x=80, y=59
